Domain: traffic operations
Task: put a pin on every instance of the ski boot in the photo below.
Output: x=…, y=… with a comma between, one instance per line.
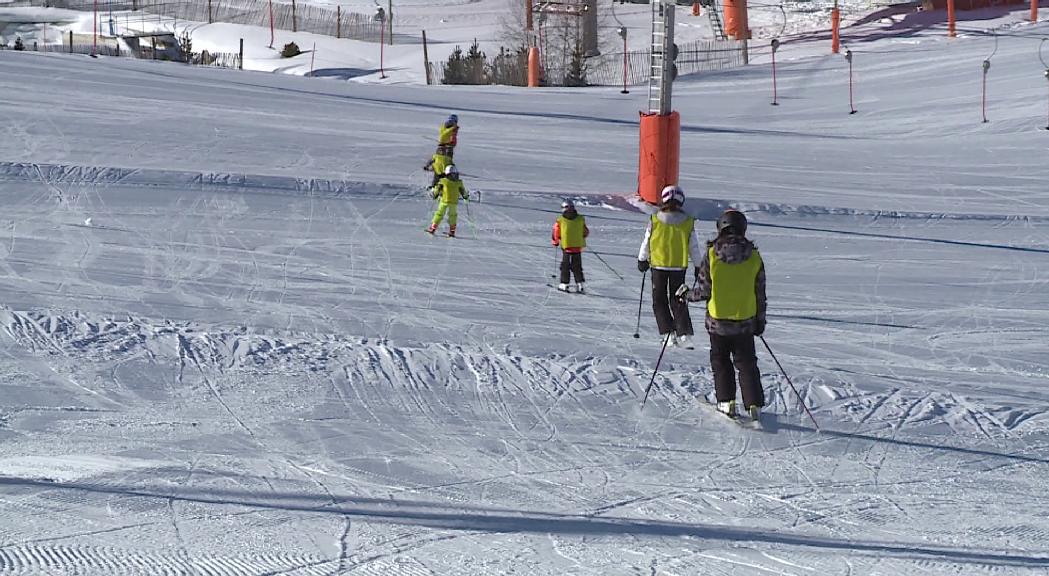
x=431, y=229
x=451, y=231
x=728, y=408
x=580, y=287
x=562, y=287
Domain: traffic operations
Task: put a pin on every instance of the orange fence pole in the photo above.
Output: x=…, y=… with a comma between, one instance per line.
x=1034, y=10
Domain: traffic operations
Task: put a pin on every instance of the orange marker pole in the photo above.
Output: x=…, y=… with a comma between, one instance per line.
x=1034, y=10
x=533, y=67
x=835, y=30
x=950, y=19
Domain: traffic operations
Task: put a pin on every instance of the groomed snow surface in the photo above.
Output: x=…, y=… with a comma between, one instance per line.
x=228, y=346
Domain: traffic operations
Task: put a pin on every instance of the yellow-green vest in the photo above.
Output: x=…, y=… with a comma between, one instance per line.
x=668, y=243
x=440, y=162
x=732, y=295
x=573, y=232
x=447, y=135
x=450, y=190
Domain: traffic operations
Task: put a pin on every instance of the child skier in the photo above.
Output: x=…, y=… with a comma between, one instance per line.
x=732, y=281
x=449, y=189
x=448, y=135
x=570, y=233
x=670, y=240
x=440, y=160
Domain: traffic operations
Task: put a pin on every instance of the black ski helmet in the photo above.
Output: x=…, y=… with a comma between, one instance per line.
x=732, y=221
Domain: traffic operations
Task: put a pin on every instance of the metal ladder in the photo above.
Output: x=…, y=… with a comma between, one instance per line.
x=659, y=80
x=715, y=19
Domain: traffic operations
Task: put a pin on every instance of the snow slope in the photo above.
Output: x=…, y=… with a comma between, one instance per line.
x=229, y=348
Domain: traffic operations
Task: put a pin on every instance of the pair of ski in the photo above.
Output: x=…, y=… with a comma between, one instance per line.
x=742, y=420
x=570, y=290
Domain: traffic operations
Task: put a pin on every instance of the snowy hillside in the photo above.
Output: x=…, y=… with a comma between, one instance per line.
x=230, y=348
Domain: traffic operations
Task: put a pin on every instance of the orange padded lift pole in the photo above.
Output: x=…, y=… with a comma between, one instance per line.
x=533, y=67
x=835, y=29
x=736, y=24
x=1034, y=10
x=658, y=154
x=695, y=8
x=950, y=19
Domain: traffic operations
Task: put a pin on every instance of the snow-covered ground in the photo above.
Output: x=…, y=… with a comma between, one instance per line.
x=229, y=348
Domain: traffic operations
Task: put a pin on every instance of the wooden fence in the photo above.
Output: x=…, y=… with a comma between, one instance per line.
x=607, y=69
x=294, y=16
x=110, y=48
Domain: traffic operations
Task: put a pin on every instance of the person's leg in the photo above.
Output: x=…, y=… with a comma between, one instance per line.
x=661, y=301
x=721, y=366
x=566, y=266
x=746, y=361
x=679, y=309
x=438, y=216
x=453, y=218
x=577, y=268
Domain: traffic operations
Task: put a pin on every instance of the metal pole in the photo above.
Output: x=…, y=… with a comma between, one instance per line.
x=622, y=32
x=94, y=36
x=271, y=23
x=389, y=18
x=654, y=372
x=784, y=372
x=775, y=96
x=848, y=56
x=382, y=45
x=640, y=300
x=986, y=67
x=426, y=61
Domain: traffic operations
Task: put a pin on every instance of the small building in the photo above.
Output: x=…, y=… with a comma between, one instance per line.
x=154, y=46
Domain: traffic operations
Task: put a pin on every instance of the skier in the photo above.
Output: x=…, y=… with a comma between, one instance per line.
x=670, y=240
x=570, y=233
x=448, y=135
x=440, y=160
x=732, y=281
x=19, y=45
x=449, y=189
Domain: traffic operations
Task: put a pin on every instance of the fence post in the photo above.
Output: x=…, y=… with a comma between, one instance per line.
x=70, y=41
x=338, y=22
x=294, y=19
x=240, y=65
x=426, y=60
x=210, y=19
x=746, y=52
x=153, y=42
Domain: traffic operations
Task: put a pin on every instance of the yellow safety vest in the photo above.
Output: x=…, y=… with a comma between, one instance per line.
x=447, y=135
x=572, y=232
x=450, y=190
x=732, y=295
x=668, y=243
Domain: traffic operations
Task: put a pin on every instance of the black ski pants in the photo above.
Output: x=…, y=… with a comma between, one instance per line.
x=571, y=263
x=729, y=354
x=671, y=313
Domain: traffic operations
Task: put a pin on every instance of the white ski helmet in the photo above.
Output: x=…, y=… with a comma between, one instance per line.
x=672, y=194
x=567, y=205
x=451, y=170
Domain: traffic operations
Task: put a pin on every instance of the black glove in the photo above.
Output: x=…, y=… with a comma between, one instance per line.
x=642, y=265
x=697, y=275
x=759, y=326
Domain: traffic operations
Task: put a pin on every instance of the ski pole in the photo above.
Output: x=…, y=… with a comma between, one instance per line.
x=606, y=264
x=658, y=361
x=784, y=372
x=637, y=331
x=554, y=275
